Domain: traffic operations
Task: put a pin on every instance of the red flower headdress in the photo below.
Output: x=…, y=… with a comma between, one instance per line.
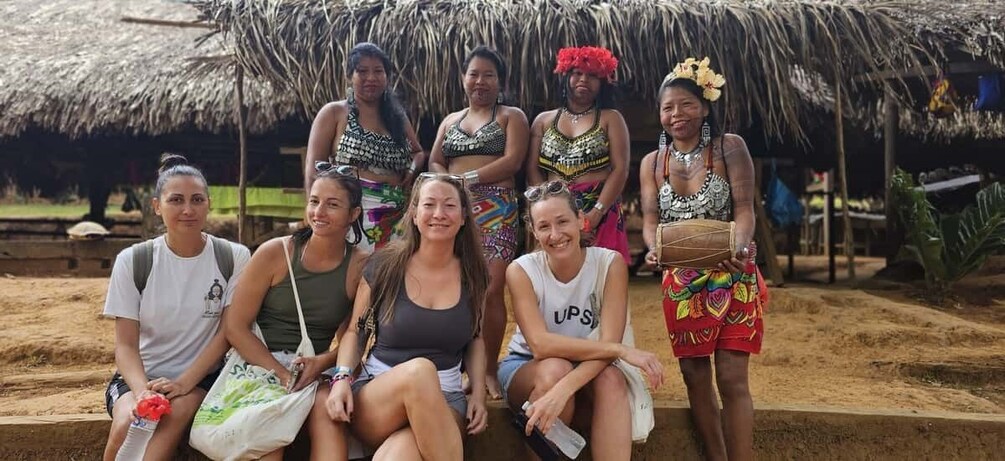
x=592, y=60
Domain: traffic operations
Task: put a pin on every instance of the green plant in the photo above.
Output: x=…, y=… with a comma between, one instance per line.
x=949, y=246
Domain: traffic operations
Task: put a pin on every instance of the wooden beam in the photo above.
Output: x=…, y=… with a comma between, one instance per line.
x=168, y=23
x=891, y=121
x=242, y=182
x=849, y=235
x=63, y=249
x=762, y=230
x=953, y=68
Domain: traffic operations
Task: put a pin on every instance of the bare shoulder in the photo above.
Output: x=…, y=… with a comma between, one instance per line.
x=731, y=141
x=512, y=113
x=611, y=115
x=544, y=118
x=335, y=110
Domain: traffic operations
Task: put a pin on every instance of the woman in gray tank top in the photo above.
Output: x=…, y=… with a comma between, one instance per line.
x=421, y=298
x=327, y=268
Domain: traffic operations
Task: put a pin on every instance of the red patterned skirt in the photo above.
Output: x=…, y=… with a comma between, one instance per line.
x=707, y=310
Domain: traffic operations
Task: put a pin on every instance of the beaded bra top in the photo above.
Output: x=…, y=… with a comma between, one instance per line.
x=365, y=149
x=490, y=139
x=570, y=158
x=712, y=201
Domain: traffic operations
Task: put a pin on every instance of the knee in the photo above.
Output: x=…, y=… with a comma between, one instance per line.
x=610, y=384
x=696, y=372
x=118, y=430
x=550, y=372
x=420, y=376
x=732, y=383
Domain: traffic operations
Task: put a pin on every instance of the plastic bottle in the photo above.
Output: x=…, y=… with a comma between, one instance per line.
x=148, y=411
x=568, y=441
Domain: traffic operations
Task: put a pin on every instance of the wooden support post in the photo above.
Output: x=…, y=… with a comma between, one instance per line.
x=849, y=240
x=242, y=182
x=762, y=231
x=891, y=122
x=829, y=227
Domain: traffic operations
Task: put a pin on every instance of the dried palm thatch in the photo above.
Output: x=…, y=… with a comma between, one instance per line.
x=303, y=44
x=74, y=67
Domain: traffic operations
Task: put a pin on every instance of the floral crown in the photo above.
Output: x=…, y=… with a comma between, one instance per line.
x=592, y=60
x=699, y=72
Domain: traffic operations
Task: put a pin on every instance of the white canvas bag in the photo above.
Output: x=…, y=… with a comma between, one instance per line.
x=248, y=413
x=639, y=399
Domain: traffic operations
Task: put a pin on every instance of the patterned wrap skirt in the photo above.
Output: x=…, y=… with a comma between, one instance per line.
x=383, y=206
x=496, y=209
x=707, y=310
x=610, y=233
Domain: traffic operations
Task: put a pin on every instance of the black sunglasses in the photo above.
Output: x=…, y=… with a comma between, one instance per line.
x=322, y=166
x=549, y=188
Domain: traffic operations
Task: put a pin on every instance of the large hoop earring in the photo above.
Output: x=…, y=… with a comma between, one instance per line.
x=706, y=133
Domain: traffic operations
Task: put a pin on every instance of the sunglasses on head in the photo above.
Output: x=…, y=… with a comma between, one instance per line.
x=449, y=177
x=322, y=166
x=549, y=188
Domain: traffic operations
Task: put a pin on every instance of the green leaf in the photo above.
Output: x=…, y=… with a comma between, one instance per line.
x=977, y=232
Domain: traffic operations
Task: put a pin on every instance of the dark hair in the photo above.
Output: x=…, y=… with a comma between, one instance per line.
x=692, y=87
x=176, y=165
x=390, y=262
x=607, y=98
x=391, y=113
x=350, y=185
x=484, y=52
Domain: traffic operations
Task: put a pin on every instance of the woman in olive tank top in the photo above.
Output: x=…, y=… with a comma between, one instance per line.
x=327, y=267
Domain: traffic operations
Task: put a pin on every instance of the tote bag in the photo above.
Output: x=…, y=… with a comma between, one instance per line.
x=639, y=399
x=248, y=413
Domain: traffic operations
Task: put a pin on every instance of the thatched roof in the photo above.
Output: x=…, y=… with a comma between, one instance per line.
x=73, y=67
x=302, y=44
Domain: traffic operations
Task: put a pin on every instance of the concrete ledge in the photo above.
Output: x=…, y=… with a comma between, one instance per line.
x=781, y=432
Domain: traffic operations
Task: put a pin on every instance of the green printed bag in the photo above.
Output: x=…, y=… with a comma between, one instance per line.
x=248, y=413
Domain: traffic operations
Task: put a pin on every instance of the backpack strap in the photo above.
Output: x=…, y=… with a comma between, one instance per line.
x=143, y=262
x=224, y=254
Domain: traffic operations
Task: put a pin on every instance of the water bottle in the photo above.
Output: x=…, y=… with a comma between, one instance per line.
x=137, y=438
x=568, y=441
x=149, y=411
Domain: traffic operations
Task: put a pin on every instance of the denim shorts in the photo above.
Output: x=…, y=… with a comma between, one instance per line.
x=455, y=400
x=508, y=368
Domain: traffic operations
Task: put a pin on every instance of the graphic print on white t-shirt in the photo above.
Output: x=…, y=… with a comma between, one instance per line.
x=584, y=316
x=214, y=300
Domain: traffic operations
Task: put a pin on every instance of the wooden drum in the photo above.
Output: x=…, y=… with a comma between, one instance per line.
x=695, y=243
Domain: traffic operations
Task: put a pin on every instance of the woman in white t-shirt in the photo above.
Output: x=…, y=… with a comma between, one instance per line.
x=167, y=296
x=551, y=361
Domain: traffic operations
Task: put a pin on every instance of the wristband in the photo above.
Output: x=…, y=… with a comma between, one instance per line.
x=599, y=206
x=342, y=369
x=470, y=177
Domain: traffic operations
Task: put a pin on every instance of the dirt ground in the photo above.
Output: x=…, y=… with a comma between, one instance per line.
x=868, y=345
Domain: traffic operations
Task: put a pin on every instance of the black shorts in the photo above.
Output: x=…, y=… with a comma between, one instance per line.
x=117, y=387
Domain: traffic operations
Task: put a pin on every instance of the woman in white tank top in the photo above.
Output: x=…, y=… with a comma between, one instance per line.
x=551, y=363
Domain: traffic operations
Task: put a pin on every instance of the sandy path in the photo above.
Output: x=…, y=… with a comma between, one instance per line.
x=827, y=346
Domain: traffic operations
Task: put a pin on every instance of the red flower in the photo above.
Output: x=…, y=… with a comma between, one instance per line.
x=151, y=408
x=592, y=60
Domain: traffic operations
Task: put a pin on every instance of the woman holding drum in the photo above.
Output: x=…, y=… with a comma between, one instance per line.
x=697, y=191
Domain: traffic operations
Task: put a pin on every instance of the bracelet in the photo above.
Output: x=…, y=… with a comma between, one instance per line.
x=339, y=377
x=599, y=206
x=413, y=167
x=470, y=177
x=339, y=369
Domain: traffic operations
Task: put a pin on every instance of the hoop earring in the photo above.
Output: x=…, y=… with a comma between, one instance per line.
x=663, y=141
x=706, y=133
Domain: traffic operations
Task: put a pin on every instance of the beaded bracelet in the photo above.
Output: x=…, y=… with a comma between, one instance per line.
x=339, y=377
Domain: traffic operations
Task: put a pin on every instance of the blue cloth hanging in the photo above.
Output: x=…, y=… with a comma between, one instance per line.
x=783, y=206
x=989, y=92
